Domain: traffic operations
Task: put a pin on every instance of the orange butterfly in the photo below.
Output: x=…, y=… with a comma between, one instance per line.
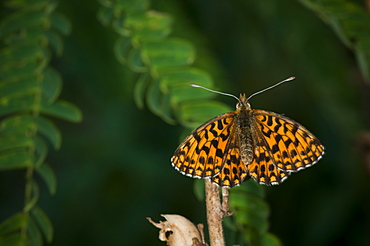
x=245, y=143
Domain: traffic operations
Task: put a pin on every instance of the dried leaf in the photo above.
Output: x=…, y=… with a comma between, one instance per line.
x=178, y=231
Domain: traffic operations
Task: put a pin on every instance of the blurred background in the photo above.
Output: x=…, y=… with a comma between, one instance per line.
x=114, y=169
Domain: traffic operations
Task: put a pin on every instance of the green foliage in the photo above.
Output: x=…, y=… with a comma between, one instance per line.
x=351, y=23
x=29, y=89
x=250, y=219
x=164, y=63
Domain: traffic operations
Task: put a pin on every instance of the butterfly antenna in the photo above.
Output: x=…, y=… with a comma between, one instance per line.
x=222, y=93
x=273, y=86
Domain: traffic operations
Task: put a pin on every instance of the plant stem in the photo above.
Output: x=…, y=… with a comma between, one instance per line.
x=225, y=202
x=214, y=214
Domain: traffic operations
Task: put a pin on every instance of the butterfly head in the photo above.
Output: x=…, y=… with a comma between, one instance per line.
x=243, y=102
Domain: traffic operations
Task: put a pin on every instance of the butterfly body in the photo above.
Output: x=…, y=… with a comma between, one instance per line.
x=235, y=146
x=244, y=127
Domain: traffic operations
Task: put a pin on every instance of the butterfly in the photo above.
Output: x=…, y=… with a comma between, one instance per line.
x=234, y=146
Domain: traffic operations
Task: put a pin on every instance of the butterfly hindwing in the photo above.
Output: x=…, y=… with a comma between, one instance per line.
x=263, y=169
x=234, y=171
x=291, y=146
x=202, y=152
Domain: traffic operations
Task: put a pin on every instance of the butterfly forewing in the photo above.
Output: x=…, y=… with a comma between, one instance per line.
x=202, y=153
x=291, y=146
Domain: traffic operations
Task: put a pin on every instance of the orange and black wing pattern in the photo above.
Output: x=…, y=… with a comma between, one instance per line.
x=211, y=151
x=282, y=146
x=234, y=171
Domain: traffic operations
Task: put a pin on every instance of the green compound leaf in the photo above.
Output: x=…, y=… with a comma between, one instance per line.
x=28, y=88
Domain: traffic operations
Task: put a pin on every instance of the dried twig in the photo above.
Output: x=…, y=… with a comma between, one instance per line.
x=215, y=214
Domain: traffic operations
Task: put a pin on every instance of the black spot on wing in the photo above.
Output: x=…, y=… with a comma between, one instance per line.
x=219, y=153
x=269, y=120
x=220, y=126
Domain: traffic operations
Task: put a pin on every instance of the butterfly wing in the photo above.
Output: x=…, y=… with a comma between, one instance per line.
x=234, y=171
x=263, y=169
x=284, y=143
x=202, y=153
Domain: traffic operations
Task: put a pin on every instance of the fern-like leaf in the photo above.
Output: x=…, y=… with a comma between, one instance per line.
x=29, y=89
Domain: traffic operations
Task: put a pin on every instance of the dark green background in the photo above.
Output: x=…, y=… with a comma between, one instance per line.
x=114, y=168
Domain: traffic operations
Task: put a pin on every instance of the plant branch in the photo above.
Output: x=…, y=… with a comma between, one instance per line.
x=215, y=214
